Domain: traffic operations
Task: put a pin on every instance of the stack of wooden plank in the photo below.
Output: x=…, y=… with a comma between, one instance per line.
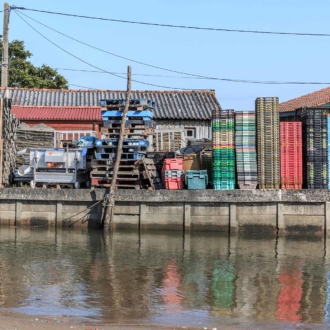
x=9, y=128
x=40, y=136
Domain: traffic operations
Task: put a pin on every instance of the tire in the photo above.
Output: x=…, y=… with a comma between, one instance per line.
x=77, y=185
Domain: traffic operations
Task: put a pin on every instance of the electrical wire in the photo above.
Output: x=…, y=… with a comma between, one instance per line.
x=91, y=65
x=133, y=74
x=175, y=26
x=174, y=71
x=112, y=54
x=83, y=87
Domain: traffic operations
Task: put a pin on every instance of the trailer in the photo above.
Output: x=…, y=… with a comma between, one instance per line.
x=57, y=167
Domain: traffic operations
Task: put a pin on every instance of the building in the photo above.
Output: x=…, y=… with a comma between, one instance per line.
x=316, y=99
x=62, y=119
x=187, y=113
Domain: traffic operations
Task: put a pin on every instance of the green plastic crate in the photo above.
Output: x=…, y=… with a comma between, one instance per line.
x=196, y=179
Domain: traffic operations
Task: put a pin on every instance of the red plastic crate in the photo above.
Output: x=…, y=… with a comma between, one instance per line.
x=173, y=183
x=291, y=186
x=291, y=155
x=172, y=164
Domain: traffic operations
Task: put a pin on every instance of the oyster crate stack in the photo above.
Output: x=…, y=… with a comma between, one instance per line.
x=291, y=155
x=315, y=147
x=223, y=154
x=139, y=126
x=245, y=146
x=173, y=174
x=268, y=142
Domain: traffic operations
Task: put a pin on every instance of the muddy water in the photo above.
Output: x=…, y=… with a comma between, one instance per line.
x=166, y=279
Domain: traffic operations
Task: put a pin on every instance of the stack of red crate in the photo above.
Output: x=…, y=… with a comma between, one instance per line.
x=172, y=173
x=291, y=155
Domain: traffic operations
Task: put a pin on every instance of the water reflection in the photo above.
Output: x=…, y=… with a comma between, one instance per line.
x=165, y=278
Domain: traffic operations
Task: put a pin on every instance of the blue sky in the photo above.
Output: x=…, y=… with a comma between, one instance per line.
x=217, y=54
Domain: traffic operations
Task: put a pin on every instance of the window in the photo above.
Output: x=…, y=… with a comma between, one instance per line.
x=190, y=132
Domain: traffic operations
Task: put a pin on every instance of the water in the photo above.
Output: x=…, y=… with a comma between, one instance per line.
x=161, y=278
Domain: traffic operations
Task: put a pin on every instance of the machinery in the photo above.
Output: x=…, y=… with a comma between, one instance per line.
x=56, y=167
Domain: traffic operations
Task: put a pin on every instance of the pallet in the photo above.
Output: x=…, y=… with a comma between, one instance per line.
x=144, y=131
x=120, y=176
x=105, y=183
x=133, y=103
x=126, y=136
x=148, y=169
x=136, y=124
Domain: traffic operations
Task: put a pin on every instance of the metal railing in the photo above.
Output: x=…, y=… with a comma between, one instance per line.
x=70, y=135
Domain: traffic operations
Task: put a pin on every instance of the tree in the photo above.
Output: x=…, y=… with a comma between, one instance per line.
x=22, y=73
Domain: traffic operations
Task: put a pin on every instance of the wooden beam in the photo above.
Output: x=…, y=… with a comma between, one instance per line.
x=110, y=200
x=1, y=143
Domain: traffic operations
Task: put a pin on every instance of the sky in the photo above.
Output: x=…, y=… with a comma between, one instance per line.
x=208, y=53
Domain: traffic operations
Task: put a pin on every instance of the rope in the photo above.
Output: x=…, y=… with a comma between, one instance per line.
x=67, y=219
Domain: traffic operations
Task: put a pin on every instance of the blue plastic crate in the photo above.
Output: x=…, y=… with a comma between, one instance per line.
x=128, y=142
x=196, y=179
x=113, y=115
x=124, y=156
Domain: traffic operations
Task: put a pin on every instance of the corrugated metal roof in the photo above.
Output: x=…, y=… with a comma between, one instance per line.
x=197, y=104
x=57, y=113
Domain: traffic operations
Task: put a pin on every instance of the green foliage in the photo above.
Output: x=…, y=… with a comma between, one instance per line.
x=22, y=73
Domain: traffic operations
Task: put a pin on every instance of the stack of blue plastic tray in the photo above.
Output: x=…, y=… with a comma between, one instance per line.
x=139, y=125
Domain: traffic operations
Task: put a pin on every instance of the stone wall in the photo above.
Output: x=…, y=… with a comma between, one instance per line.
x=267, y=211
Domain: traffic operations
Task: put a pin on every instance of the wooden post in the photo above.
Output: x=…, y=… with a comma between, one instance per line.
x=109, y=211
x=4, y=81
x=1, y=143
x=5, y=56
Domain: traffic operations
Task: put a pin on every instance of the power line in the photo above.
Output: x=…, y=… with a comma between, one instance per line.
x=180, y=72
x=133, y=74
x=178, y=77
x=83, y=87
x=112, y=54
x=176, y=26
x=91, y=65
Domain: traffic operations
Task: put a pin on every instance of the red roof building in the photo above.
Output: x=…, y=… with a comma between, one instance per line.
x=61, y=118
x=318, y=98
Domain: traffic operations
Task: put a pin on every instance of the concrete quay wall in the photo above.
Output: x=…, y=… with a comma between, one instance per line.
x=285, y=211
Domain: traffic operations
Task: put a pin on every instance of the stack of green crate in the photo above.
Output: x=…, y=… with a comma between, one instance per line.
x=223, y=156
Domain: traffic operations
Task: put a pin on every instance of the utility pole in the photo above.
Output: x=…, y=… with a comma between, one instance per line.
x=109, y=211
x=4, y=80
x=5, y=56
